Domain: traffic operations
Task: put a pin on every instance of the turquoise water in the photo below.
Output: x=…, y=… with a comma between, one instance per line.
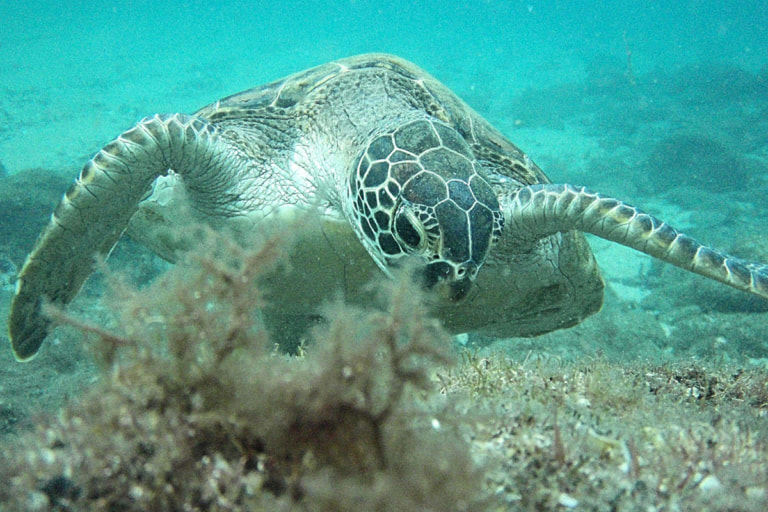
x=663, y=105
x=74, y=77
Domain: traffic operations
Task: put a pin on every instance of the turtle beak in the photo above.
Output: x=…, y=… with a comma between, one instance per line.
x=451, y=283
x=458, y=290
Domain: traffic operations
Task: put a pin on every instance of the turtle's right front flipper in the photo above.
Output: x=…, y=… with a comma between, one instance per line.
x=96, y=209
x=536, y=211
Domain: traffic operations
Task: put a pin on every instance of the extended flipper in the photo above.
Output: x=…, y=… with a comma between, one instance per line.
x=96, y=209
x=536, y=211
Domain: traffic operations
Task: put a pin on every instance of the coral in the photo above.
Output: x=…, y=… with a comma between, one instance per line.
x=26, y=200
x=696, y=160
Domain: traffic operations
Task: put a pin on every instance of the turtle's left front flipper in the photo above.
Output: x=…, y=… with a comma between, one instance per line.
x=96, y=209
x=536, y=211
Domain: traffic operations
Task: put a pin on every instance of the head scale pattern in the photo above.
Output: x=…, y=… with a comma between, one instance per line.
x=416, y=192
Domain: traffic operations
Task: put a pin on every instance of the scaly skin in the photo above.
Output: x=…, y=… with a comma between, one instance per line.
x=109, y=189
x=536, y=211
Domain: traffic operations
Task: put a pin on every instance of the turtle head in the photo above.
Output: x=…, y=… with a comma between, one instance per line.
x=416, y=192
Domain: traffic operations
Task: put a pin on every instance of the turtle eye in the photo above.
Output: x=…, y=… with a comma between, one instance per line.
x=408, y=230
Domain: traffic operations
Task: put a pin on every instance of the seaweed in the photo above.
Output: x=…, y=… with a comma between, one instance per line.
x=593, y=435
x=195, y=410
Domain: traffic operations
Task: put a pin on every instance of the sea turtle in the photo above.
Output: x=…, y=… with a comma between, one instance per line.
x=395, y=166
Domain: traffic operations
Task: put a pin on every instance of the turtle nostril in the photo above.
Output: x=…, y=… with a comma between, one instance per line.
x=467, y=270
x=454, y=282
